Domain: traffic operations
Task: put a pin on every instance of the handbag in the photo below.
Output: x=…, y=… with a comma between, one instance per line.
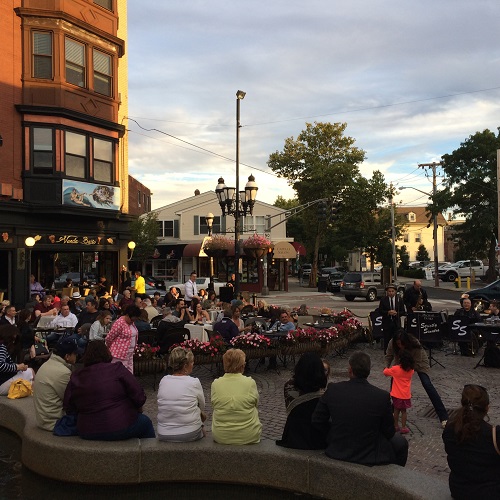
x=20, y=388
x=495, y=444
x=38, y=349
x=66, y=426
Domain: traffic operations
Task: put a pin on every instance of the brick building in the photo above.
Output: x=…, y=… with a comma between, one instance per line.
x=63, y=153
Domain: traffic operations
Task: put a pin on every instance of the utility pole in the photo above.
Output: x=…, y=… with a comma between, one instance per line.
x=434, y=212
x=498, y=201
x=393, y=231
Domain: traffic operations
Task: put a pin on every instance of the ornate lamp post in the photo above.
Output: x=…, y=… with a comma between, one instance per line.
x=209, y=218
x=235, y=202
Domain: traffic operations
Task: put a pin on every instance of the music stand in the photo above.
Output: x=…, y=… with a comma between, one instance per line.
x=489, y=332
x=429, y=331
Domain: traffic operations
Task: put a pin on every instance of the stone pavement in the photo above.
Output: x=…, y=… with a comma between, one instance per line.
x=426, y=449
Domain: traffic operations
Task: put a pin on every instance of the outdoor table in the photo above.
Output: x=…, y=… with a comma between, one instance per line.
x=199, y=331
x=213, y=314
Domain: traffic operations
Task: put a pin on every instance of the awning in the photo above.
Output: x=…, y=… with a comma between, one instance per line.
x=299, y=248
x=192, y=250
x=284, y=250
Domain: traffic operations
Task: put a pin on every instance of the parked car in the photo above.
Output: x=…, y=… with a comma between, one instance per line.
x=306, y=270
x=462, y=268
x=365, y=284
x=335, y=281
x=481, y=297
x=155, y=282
x=60, y=282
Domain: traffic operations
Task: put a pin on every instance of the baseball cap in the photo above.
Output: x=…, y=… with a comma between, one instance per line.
x=67, y=346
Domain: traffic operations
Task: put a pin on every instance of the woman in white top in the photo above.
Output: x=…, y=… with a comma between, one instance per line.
x=180, y=401
x=100, y=327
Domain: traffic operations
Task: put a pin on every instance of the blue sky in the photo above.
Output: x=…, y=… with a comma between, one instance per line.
x=409, y=78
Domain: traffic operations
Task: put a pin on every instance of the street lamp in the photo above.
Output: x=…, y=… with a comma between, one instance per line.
x=434, y=231
x=131, y=246
x=209, y=219
x=234, y=202
x=30, y=243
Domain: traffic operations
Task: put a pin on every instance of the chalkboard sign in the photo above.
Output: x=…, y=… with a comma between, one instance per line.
x=457, y=329
x=377, y=330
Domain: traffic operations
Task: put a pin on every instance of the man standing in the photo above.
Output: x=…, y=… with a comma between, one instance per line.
x=360, y=420
x=50, y=383
x=415, y=298
x=391, y=308
x=190, y=289
x=140, y=285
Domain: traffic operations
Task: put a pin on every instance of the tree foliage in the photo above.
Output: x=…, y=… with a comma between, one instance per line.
x=422, y=253
x=470, y=189
x=144, y=232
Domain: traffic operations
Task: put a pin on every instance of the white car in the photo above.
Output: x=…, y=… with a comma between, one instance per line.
x=201, y=282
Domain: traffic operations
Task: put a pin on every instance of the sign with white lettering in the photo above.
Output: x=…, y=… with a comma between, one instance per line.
x=457, y=329
x=377, y=330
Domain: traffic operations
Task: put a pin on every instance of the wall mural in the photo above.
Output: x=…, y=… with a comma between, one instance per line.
x=89, y=195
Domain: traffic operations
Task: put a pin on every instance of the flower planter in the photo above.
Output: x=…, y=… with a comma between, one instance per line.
x=152, y=365
x=255, y=252
x=301, y=348
x=207, y=359
x=258, y=352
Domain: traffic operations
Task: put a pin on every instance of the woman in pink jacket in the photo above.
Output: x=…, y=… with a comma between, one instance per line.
x=122, y=338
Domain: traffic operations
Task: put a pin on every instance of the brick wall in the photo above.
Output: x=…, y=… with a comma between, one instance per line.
x=134, y=188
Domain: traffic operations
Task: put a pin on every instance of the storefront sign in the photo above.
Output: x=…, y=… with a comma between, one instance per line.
x=74, y=239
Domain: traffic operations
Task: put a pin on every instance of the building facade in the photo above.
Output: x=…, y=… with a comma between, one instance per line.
x=183, y=228
x=419, y=231
x=63, y=158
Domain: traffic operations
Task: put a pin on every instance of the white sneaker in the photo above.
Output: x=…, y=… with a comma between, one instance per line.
x=443, y=423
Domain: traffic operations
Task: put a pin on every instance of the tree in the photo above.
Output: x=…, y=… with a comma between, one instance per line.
x=422, y=253
x=403, y=257
x=145, y=232
x=471, y=190
x=320, y=163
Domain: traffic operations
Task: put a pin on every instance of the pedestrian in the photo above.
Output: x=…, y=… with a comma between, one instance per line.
x=401, y=388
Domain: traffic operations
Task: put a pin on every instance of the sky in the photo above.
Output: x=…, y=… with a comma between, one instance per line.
x=412, y=80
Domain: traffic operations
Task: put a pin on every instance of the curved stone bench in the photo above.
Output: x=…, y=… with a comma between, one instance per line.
x=72, y=459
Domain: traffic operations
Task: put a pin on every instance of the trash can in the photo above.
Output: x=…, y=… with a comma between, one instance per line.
x=323, y=283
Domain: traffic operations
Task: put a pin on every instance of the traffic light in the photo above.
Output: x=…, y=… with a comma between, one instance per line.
x=322, y=210
x=335, y=208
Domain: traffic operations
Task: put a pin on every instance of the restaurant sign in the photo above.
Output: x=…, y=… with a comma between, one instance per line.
x=73, y=239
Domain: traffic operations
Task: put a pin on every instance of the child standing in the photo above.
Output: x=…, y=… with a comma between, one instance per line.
x=401, y=388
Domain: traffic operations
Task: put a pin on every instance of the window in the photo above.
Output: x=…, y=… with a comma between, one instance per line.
x=107, y=4
x=418, y=238
x=75, y=63
x=412, y=217
x=42, y=155
x=102, y=73
x=139, y=199
x=103, y=160
x=254, y=224
x=215, y=225
x=42, y=55
x=169, y=228
x=406, y=238
x=76, y=155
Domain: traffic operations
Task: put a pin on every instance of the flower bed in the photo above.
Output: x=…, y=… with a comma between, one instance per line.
x=143, y=351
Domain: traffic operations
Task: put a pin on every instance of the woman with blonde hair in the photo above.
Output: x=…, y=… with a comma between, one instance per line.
x=180, y=400
x=235, y=418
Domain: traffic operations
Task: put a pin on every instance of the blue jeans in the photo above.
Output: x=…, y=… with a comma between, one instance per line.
x=141, y=428
x=433, y=396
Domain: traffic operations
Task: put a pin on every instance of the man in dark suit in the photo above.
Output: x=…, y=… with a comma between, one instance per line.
x=391, y=308
x=359, y=415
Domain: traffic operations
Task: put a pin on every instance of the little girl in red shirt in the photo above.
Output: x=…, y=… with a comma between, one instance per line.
x=401, y=388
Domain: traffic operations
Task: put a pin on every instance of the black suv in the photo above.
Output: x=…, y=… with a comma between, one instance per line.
x=364, y=284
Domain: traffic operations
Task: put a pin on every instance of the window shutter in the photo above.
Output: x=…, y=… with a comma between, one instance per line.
x=196, y=226
x=176, y=228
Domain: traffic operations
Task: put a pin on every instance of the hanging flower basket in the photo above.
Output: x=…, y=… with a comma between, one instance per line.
x=255, y=252
x=216, y=252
